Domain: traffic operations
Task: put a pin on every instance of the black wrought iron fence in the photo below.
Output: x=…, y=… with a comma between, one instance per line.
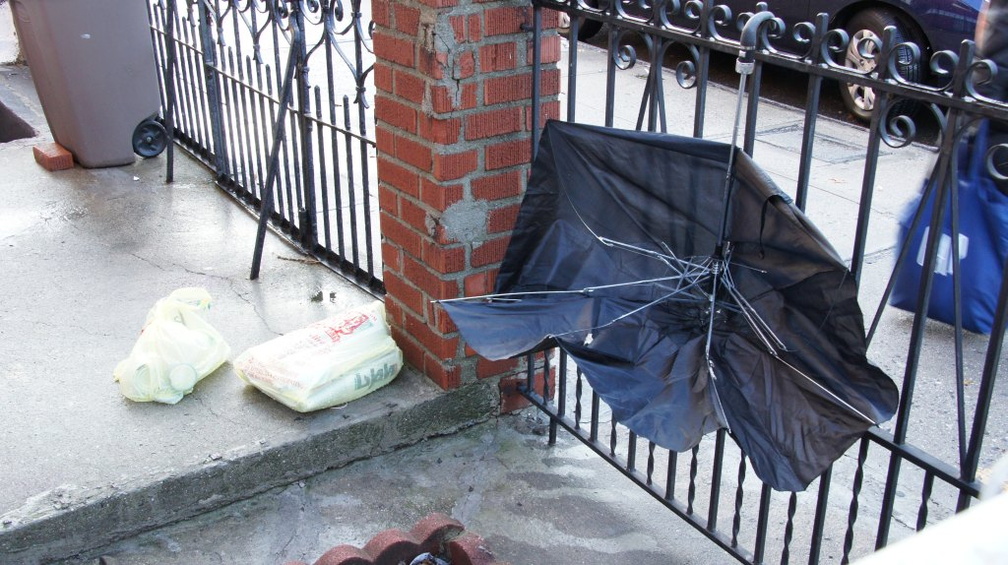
x=928, y=462
x=274, y=97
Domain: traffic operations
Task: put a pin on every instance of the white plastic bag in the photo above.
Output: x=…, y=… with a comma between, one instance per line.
x=176, y=349
x=330, y=362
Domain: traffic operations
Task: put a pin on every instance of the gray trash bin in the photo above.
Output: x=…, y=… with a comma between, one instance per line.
x=93, y=66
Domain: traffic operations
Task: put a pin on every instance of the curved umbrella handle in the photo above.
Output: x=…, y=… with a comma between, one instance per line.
x=747, y=43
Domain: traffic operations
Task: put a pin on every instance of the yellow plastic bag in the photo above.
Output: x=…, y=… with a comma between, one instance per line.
x=330, y=362
x=176, y=349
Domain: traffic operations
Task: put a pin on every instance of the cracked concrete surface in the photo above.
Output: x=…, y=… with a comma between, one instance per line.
x=532, y=503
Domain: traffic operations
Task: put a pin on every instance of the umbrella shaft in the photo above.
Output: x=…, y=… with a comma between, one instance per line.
x=730, y=172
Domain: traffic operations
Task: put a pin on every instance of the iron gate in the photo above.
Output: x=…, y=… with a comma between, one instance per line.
x=888, y=485
x=273, y=96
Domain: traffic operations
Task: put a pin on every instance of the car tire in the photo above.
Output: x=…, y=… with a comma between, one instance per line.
x=860, y=100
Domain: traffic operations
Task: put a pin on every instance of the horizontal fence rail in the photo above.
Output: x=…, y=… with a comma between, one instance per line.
x=929, y=461
x=224, y=67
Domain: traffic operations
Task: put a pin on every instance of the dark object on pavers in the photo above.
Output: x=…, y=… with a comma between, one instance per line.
x=439, y=535
x=690, y=300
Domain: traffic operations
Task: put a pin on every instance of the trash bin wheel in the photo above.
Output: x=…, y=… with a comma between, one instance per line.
x=149, y=138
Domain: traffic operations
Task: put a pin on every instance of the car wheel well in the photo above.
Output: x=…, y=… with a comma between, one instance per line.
x=912, y=27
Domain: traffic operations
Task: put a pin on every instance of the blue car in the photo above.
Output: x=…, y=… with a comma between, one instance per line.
x=934, y=25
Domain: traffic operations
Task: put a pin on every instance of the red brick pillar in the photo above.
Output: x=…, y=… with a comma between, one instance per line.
x=453, y=112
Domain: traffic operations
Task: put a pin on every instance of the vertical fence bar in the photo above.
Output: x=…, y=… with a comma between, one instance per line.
x=985, y=393
x=715, y=481
x=852, y=512
x=214, y=101
x=278, y=135
x=561, y=396
x=739, y=495
x=631, y=459
x=308, y=212
x=762, y=524
x=670, y=475
x=789, y=528
x=819, y=520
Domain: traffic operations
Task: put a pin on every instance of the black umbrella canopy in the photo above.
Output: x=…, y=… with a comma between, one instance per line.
x=686, y=310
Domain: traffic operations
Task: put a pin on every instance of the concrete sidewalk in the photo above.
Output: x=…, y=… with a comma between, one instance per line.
x=86, y=253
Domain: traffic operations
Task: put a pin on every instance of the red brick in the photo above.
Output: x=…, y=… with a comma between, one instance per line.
x=440, y=131
x=497, y=90
x=551, y=20
x=511, y=399
x=498, y=186
x=383, y=78
x=458, y=25
x=486, y=368
x=412, y=351
x=391, y=256
x=407, y=238
x=434, y=532
x=547, y=111
x=392, y=546
x=433, y=64
x=380, y=11
x=470, y=549
x=506, y=20
x=388, y=200
x=490, y=253
x=405, y=292
x=394, y=49
x=344, y=555
x=549, y=82
x=442, y=259
x=507, y=154
x=465, y=65
x=470, y=92
x=395, y=113
x=416, y=217
x=480, y=284
x=454, y=166
x=428, y=281
x=414, y=153
x=394, y=312
x=53, y=157
x=441, y=347
x=408, y=86
x=439, y=196
x=384, y=142
x=498, y=57
x=549, y=50
x=407, y=19
x=442, y=99
x=442, y=322
x=441, y=236
x=445, y=375
x=445, y=100
x=494, y=123
x=402, y=178
x=475, y=28
x=502, y=219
